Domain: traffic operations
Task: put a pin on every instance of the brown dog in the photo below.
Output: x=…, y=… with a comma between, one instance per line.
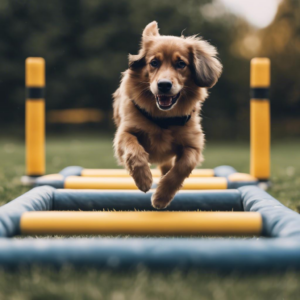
x=157, y=107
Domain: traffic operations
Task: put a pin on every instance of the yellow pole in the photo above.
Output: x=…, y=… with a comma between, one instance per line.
x=35, y=116
x=146, y=223
x=260, y=118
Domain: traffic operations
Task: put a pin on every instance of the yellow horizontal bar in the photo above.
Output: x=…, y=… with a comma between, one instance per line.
x=138, y=191
x=75, y=115
x=53, y=177
x=205, y=183
x=165, y=223
x=124, y=173
x=241, y=177
x=79, y=182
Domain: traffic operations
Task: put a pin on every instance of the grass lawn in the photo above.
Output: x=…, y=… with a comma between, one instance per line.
x=96, y=152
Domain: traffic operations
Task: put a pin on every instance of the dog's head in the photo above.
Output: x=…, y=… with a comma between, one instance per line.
x=169, y=72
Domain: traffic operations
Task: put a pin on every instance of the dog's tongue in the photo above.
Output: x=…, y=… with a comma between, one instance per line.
x=164, y=100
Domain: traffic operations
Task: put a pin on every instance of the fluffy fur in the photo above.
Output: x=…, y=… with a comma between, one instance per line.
x=138, y=141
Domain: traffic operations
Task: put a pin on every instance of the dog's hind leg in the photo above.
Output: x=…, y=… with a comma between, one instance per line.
x=165, y=167
x=172, y=181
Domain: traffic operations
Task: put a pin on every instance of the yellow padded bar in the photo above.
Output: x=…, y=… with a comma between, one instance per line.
x=120, y=183
x=35, y=118
x=241, y=177
x=207, y=183
x=142, y=223
x=124, y=173
x=260, y=121
x=79, y=182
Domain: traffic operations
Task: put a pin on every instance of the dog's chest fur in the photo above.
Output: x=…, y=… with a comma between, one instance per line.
x=159, y=143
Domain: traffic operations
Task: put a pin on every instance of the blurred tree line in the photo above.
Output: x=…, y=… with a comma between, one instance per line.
x=86, y=43
x=281, y=42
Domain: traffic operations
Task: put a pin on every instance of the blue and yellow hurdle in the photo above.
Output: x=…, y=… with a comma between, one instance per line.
x=46, y=210
x=247, y=210
x=229, y=179
x=217, y=201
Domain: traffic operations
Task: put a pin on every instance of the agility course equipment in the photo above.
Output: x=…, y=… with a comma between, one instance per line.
x=218, y=255
x=35, y=116
x=141, y=223
x=230, y=179
x=267, y=216
x=79, y=171
x=260, y=118
x=217, y=201
x=277, y=250
x=80, y=178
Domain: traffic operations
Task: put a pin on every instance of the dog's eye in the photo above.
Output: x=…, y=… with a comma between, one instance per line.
x=180, y=64
x=154, y=63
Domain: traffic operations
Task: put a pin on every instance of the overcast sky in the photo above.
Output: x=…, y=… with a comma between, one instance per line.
x=258, y=12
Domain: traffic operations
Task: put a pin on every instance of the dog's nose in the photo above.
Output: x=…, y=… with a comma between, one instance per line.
x=164, y=85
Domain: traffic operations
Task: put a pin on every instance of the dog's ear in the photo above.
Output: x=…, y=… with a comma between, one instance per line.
x=137, y=61
x=206, y=67
x=151, y=30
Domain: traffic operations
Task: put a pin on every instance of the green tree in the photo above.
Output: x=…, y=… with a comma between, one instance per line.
x=86, y=43
x=281, y=42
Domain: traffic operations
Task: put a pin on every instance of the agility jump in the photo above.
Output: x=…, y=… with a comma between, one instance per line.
x=217, y=201
x=277, y=250
x=78, y=177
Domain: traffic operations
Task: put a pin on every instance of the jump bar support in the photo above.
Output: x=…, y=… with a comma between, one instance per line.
x=35, y=116
x=260, y=118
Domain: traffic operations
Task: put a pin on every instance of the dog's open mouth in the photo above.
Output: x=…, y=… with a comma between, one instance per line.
x=166, y=102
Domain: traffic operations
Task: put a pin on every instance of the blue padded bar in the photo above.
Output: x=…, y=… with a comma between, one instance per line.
x=44, y=180
x=238, y=184
x=224, y=171
x=278, y=220
x=35, y=200
x=71, y=171
x=156, y=254
x=227, y=200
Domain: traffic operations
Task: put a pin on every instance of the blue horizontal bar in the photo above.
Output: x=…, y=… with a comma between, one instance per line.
x=249, y=255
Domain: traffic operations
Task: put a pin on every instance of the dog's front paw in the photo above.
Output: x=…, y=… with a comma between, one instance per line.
x=142, y=177
x=140, y=171
x=161, y=200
